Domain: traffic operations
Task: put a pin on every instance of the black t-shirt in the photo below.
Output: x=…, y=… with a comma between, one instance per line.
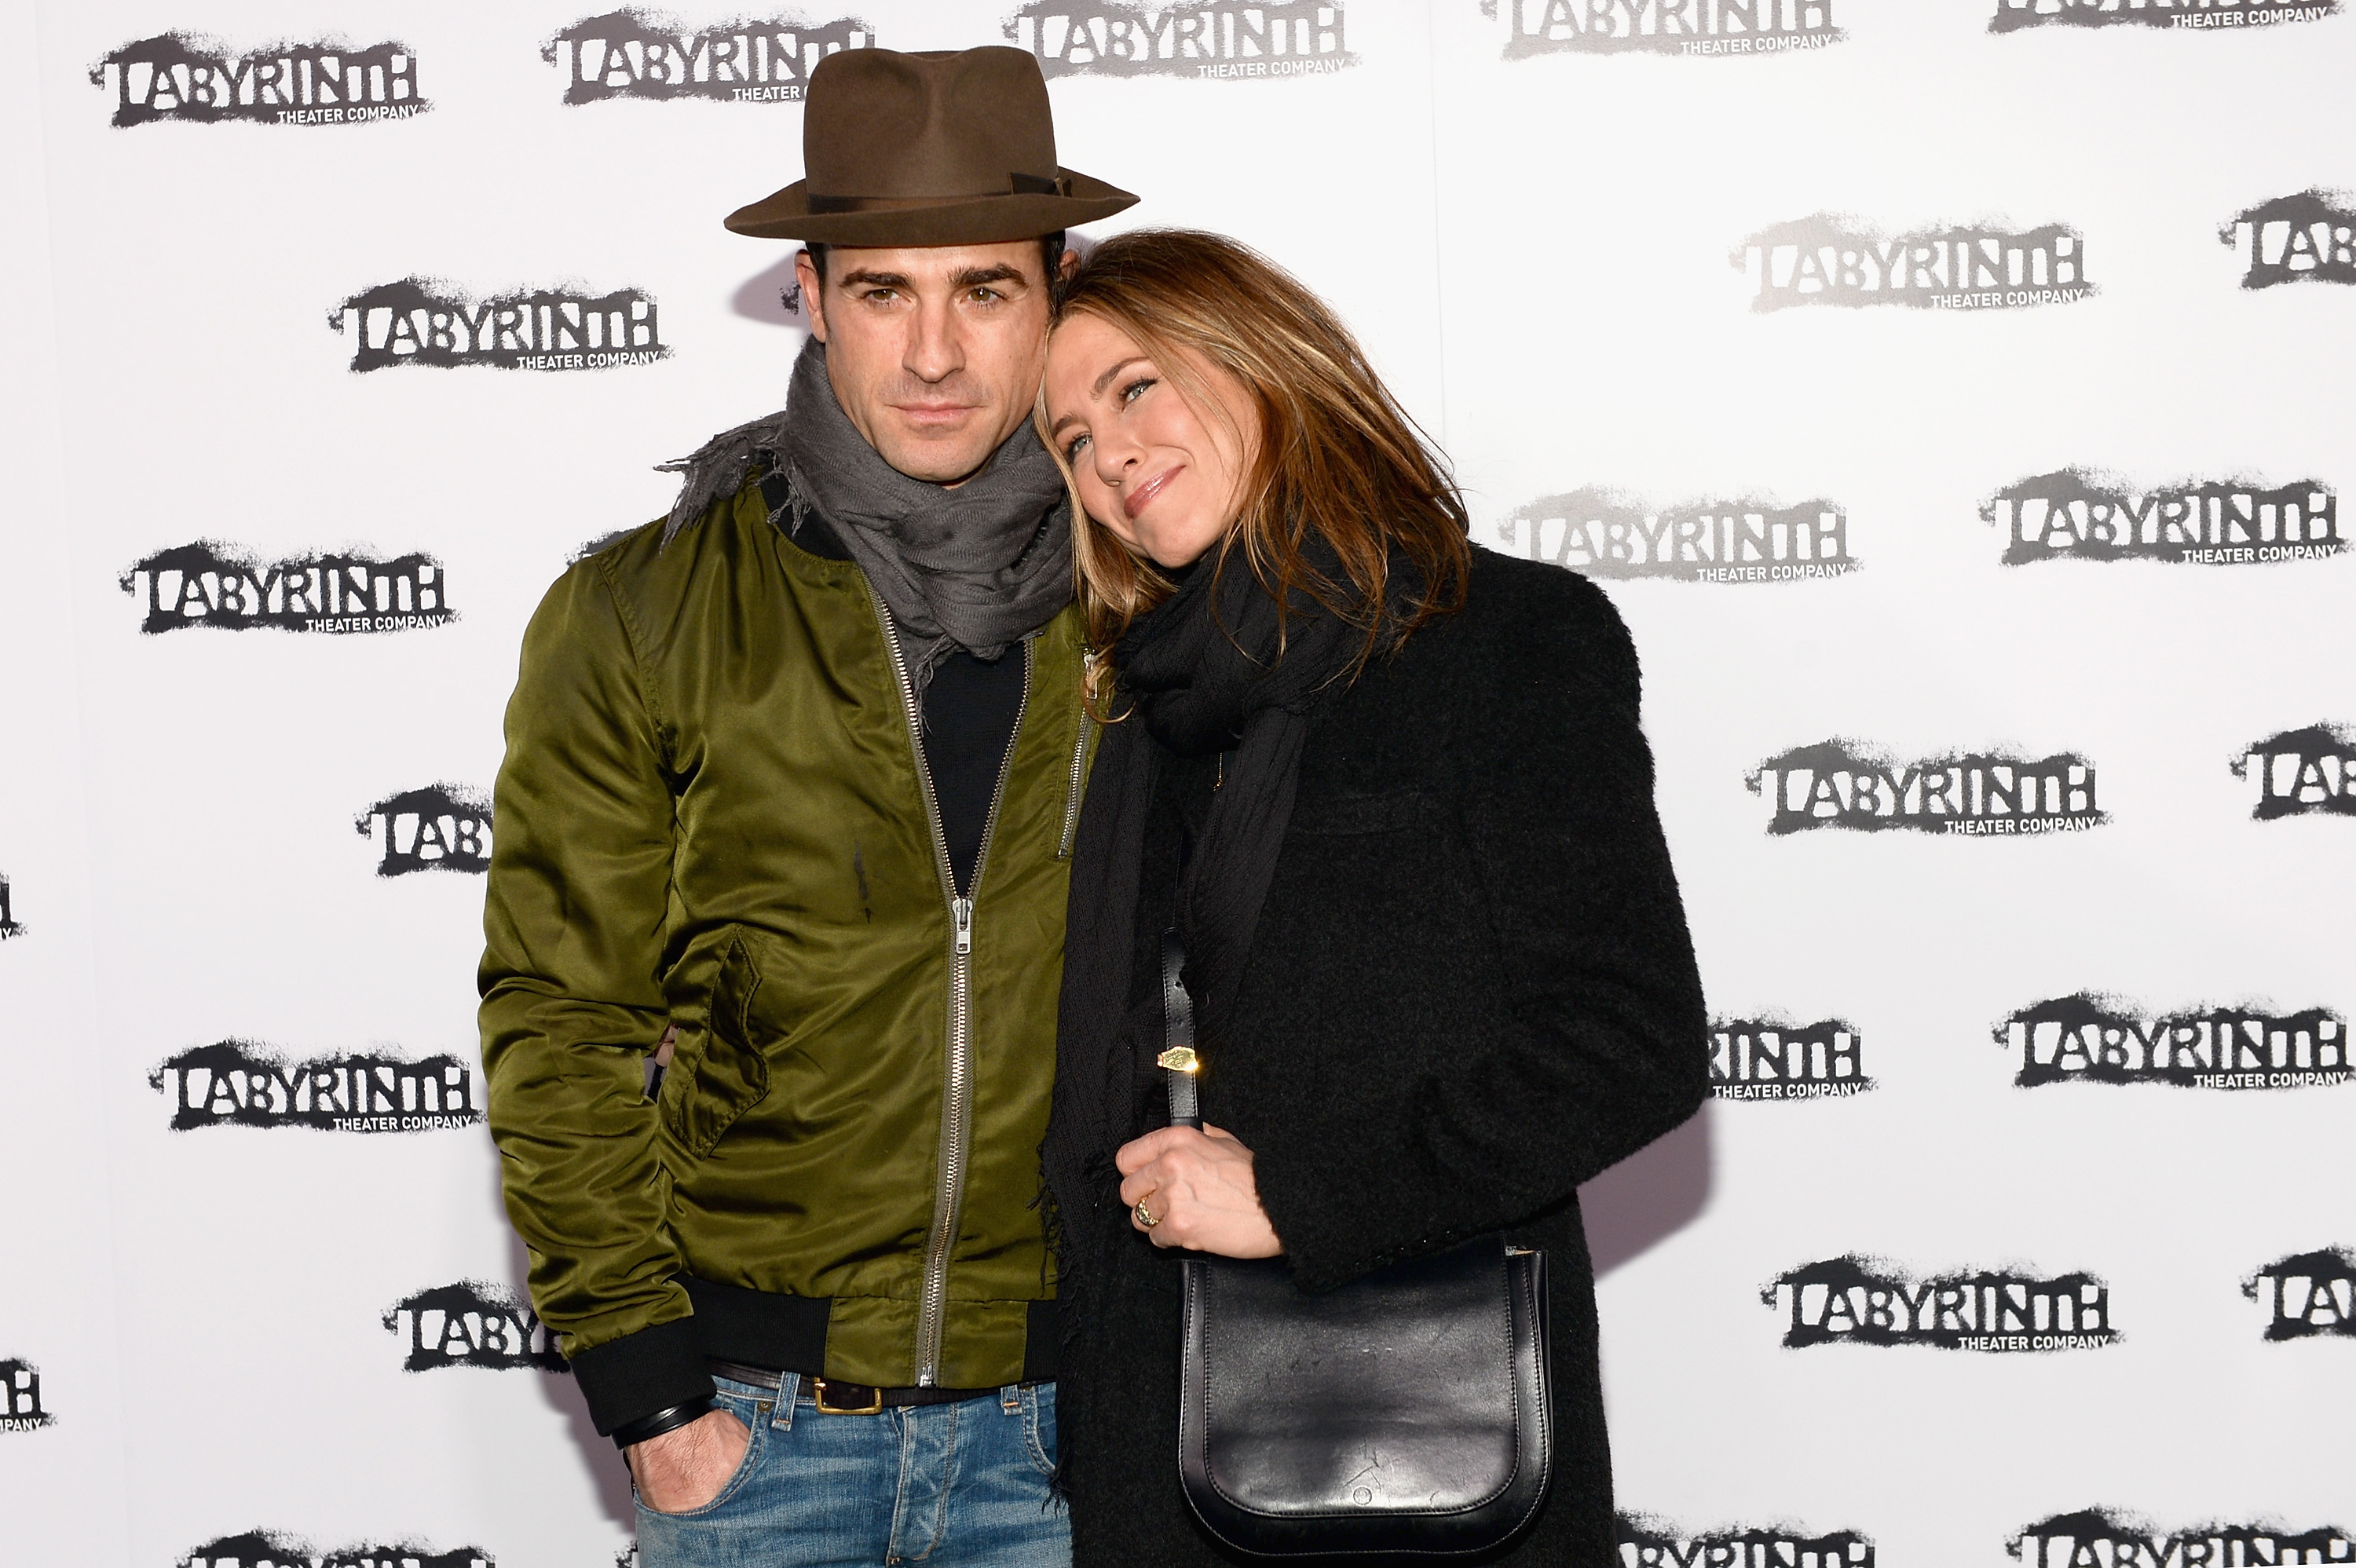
x=970, y=710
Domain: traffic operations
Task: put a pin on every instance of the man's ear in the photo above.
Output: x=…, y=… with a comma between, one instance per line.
x=1067, y=266
x=807, y=279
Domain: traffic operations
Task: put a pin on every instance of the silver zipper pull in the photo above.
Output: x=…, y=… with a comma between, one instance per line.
x=962, y=910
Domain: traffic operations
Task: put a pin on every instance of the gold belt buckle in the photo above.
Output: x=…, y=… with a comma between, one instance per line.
x=818, y=1397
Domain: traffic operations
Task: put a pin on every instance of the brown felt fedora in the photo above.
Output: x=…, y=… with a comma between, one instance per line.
x=930, y=148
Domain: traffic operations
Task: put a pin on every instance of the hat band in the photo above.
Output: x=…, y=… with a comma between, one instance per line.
x=1019, y=184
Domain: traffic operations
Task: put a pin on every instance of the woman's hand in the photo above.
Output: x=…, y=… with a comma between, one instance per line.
x=1199, y=1191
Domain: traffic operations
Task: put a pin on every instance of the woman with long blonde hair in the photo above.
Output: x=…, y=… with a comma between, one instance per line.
x=1388, y=795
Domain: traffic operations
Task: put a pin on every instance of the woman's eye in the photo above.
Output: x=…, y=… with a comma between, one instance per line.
x=1136, y=389
x=1072, y=451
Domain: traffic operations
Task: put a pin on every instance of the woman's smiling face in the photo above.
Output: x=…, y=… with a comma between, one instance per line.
x=1166, y=480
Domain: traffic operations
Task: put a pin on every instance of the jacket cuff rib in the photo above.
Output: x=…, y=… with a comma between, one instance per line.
x=631, y=1378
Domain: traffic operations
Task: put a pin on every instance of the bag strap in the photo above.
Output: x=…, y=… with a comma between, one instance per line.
x=1178, y=1061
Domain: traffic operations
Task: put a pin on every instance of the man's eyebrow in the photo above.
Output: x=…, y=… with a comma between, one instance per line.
x=974, y=277
x=881, y=279
x=1098, y=390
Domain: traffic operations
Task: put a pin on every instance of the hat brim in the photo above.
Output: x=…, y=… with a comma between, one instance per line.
x=966, y=220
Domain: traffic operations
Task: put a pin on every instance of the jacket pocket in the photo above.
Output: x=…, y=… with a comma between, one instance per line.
x=720, y=1072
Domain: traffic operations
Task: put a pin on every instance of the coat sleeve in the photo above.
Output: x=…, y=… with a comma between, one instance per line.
x=572, y=1001
x=1598, y=1043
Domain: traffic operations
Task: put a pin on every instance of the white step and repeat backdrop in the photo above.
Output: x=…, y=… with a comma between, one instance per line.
x=1952, y=394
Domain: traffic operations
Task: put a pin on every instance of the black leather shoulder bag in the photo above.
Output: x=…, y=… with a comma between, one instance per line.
x=1405, y=1412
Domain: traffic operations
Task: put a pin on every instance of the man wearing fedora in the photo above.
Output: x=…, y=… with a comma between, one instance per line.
x=775, y=915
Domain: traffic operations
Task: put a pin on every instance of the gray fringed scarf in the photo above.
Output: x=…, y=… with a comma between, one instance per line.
x=978, y=568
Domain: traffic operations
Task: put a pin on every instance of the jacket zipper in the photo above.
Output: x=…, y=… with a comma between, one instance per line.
x=957, y=1094
x=1072, y=800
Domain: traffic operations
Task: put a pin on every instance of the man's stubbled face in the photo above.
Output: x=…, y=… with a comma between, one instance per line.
x=935, y=351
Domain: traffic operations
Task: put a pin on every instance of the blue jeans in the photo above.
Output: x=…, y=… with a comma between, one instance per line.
x=942, y=1484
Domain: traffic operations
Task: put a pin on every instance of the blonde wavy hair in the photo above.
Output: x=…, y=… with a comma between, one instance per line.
x=1335, y=454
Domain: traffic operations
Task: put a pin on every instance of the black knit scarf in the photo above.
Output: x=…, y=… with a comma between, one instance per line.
x=1201, y=673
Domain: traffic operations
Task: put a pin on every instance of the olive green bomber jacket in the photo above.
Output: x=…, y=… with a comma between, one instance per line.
x=714, y=816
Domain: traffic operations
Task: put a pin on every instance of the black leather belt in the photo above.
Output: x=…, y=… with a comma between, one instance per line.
x=837, y=1398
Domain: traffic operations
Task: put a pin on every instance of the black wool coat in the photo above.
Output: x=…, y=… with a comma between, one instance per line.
x=1470, y=990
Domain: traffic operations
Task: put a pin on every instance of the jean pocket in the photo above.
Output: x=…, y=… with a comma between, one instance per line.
x=1039, y=1428
x=756, y=1426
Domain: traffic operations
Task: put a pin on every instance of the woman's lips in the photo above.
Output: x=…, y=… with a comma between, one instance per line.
x=1136, y=500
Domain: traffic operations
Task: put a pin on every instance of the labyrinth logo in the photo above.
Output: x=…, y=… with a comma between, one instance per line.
x=236, y=1083
x=1861, y=1302
x=1207, y=38
x=2012, y=16
x=629, y=54
x=1665, y=27
x=1832, y=260
x=442, y=827
x=2300, y=772
x=1845, y=783
x=472, y=1324
x=271, y=1549
x=1773, y=1058
x=9, y=924
x=175, y=77
x=1605, y=534
x=2098, y=1039
x=208, y=584
x=418, y=321
x=2307, y=1294
x=2218, y=522
x=2098, y=1536
x=1646, y=1541
x=20, y=1398
x=2309, y=238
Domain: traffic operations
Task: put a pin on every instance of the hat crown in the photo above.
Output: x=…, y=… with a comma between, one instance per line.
x=934, y=149
x=881, y=124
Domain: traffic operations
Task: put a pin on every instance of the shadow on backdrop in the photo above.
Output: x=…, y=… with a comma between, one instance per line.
x=1650, y=1196
x=607, y=1473
x=762, y=297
